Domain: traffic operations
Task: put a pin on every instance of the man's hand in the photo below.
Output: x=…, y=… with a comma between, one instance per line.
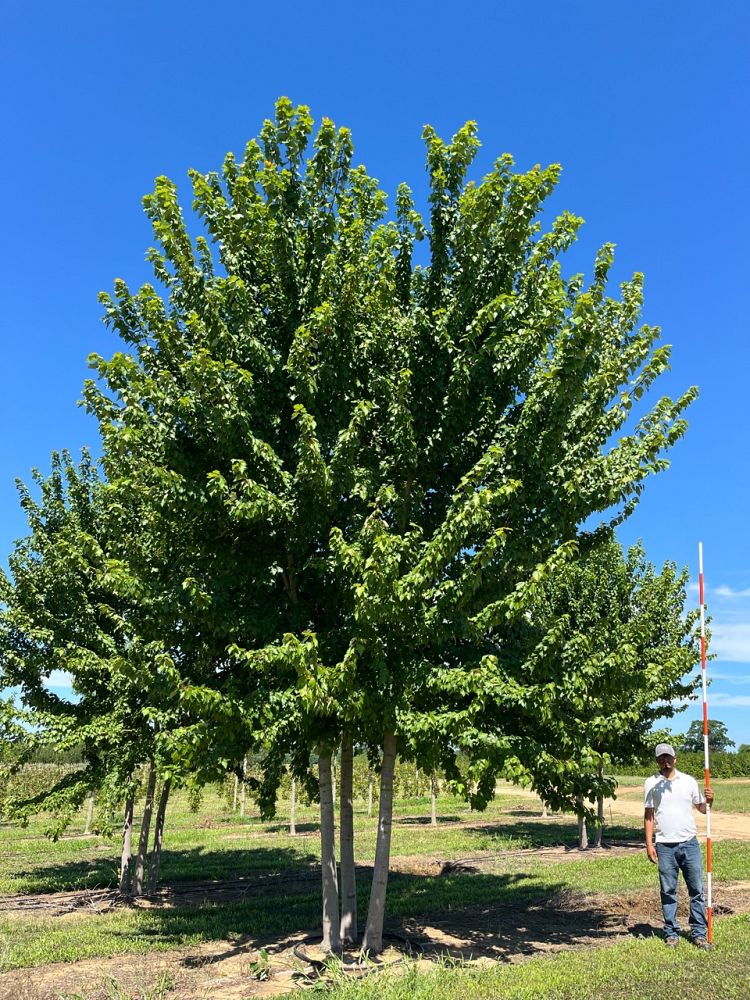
x=709, y=796
x=652, y=855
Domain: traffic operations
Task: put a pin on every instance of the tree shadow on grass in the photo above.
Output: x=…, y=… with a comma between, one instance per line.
x=301, y=828
x=183, y=865
x=551, y=833
x=460, y=916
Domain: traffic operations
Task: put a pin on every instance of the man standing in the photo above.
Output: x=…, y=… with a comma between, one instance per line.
x=669, y=797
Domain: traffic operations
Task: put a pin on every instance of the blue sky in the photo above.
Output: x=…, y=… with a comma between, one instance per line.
x=644, y=104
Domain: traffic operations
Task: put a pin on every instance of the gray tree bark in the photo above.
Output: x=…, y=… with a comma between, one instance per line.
x=89, y=815
x=293, y=809
x=234, y=799
x=127, y=842
x=583, y=834
x=433, y=797
x=243, y=796
x=372, y=942
x=148, y=807
x=348, y=873
x=599, y=811
x=331, y=926
x=158, y=836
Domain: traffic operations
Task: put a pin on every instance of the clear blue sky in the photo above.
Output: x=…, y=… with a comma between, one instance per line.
x=644, y=104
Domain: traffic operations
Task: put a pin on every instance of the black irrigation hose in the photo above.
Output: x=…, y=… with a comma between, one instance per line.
x=359, y=970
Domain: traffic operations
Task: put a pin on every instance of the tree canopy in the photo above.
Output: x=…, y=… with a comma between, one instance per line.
x=718, y=737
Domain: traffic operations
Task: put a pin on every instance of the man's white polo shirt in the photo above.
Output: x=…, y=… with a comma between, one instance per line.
x=672, y=802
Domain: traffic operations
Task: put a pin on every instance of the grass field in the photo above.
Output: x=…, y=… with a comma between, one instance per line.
x=214, y=844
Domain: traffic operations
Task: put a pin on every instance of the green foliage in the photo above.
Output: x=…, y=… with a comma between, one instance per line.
x=351, y=475
x=615, y=633
x=723, y=765
x=718, y=737
x=260, y=968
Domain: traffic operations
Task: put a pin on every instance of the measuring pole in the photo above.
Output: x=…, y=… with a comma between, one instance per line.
x=709, y=906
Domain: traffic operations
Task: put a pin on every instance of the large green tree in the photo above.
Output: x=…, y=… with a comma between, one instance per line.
x=358, y=472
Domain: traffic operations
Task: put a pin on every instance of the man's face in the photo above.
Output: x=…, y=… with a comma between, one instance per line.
x=666, y=762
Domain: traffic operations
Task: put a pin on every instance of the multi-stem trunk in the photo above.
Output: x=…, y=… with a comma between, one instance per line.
x=433, y=798
x=127, y=843
x=89, y=815
x=372, y=942
x=148, y=808
x=158, y=836
x=331, y=926
x=293, y=809
x=348, y=876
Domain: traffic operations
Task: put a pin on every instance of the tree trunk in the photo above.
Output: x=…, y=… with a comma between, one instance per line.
x=148, y=808
x=234, y=797
x=331, y=927
x=243, y=796
x=158, y=836
x=89, y=815
x=369, y=793
x=433, y=797
x=372, y=942
x=348, y=875
x=583, y=834
x=600, y=825
x=293, y=809
x=599, y=810
x=127, y=841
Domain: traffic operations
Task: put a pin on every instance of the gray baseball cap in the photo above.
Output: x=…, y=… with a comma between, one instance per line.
x=664, y=748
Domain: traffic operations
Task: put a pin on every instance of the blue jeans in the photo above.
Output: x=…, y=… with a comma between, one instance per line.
x=686, y=858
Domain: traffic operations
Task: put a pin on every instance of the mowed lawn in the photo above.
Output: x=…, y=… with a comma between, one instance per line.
x=215, y=844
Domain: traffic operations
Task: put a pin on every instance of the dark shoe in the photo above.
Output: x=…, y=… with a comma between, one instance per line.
x=702, y=943
x=671, y=942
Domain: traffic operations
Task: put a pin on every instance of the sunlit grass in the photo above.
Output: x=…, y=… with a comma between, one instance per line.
x=637, y=969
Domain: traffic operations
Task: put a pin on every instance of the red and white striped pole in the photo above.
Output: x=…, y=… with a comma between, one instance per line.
x=709, y=906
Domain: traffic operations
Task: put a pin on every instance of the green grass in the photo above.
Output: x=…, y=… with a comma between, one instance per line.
x=517, y=882
x=216, y=844
x=638, y=969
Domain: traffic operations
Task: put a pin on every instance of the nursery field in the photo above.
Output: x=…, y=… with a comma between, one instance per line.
x=493, y=904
